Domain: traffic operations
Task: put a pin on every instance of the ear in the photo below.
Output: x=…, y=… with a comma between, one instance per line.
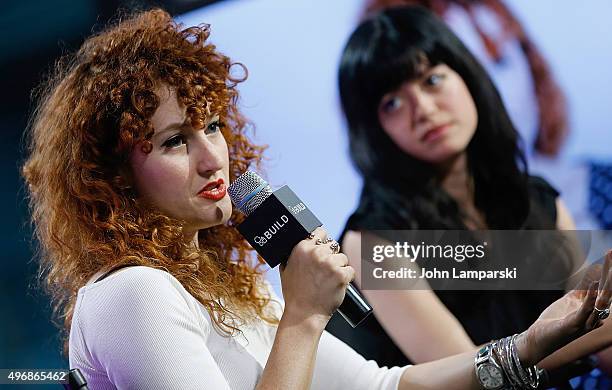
x=124, y=181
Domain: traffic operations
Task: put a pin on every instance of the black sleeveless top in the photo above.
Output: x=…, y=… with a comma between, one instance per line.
x=485, y=315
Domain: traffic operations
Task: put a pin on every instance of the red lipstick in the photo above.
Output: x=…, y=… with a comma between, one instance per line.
x=215, y=190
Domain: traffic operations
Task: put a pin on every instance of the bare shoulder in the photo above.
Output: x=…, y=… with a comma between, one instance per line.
x=351, y=246
x=351, y=239
x=564, y=218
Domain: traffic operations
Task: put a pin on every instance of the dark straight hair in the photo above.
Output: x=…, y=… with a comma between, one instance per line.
x=389, y=49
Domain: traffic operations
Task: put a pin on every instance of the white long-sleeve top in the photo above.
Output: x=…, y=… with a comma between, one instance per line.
x=140, y=329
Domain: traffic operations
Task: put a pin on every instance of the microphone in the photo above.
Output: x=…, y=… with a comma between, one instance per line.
x=275, y=222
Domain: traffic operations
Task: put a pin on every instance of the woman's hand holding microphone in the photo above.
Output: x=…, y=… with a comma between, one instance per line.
x=314, y=279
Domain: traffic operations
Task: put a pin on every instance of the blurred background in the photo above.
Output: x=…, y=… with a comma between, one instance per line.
x=291, y=49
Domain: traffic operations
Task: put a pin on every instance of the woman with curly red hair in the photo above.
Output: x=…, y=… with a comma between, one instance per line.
x=132, y=145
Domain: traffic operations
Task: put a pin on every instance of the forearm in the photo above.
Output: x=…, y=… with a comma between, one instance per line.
x=429, y=323
x=455, y=372
x=597, y=340
x=458, y=372
x=291, y=361
x=605, y=360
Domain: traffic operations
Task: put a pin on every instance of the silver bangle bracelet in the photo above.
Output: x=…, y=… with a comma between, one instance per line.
x=522, y=373
x=516, y=379
x=517, y=376
x=498, y=366
x=529, y=376
x=499, y=350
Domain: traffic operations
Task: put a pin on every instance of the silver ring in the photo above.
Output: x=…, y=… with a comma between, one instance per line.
x=323, y=241
x=335, y=247
x=602, y=314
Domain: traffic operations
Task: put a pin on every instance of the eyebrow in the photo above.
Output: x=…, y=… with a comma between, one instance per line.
x=172, y=126
x=168, y=127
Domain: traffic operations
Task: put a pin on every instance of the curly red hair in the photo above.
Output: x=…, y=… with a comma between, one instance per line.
x=90, y=114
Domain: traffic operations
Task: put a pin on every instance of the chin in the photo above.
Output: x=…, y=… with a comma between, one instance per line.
x=444, y=153
x=440, y=158
x=215, y=217
x=225, y=209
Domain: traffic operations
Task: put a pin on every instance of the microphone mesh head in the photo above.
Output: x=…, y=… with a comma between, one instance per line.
x=248, y=191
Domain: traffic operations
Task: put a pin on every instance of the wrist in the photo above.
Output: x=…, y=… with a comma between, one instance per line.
x=524, y=351
x=312, y=323
x=498, y=365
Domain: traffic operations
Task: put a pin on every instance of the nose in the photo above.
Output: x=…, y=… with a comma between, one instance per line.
x=424, y=105
x=208, y=157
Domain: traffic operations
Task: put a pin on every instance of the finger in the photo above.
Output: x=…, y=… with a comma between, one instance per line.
x=605, y=270
x=586, y=316
x=583, y=315
x=339, y=260
x=312, y=238
x=592, y=274
x=333, y=246
x=605, y=292
x=349, y=274
x=319, y=233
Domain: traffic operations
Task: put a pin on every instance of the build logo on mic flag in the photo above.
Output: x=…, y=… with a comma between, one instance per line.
x=277, y=224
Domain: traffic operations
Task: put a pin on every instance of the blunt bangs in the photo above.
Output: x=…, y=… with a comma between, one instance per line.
x=386, y=51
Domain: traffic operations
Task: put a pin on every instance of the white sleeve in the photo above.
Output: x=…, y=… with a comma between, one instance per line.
x=339, y=367
x=145, y=335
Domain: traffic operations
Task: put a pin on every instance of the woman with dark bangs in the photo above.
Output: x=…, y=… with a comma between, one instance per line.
x=429, y=134
x=132, y=145
x=536, y=104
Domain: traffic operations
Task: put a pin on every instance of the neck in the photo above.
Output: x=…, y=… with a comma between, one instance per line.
x=191, y=238
x=456, y=180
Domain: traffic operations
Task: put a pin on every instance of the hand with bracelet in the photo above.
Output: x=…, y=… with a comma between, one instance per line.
x=510, y=363
x=503, y=363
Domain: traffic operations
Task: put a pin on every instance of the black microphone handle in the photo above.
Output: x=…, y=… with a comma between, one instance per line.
x=354, y=308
